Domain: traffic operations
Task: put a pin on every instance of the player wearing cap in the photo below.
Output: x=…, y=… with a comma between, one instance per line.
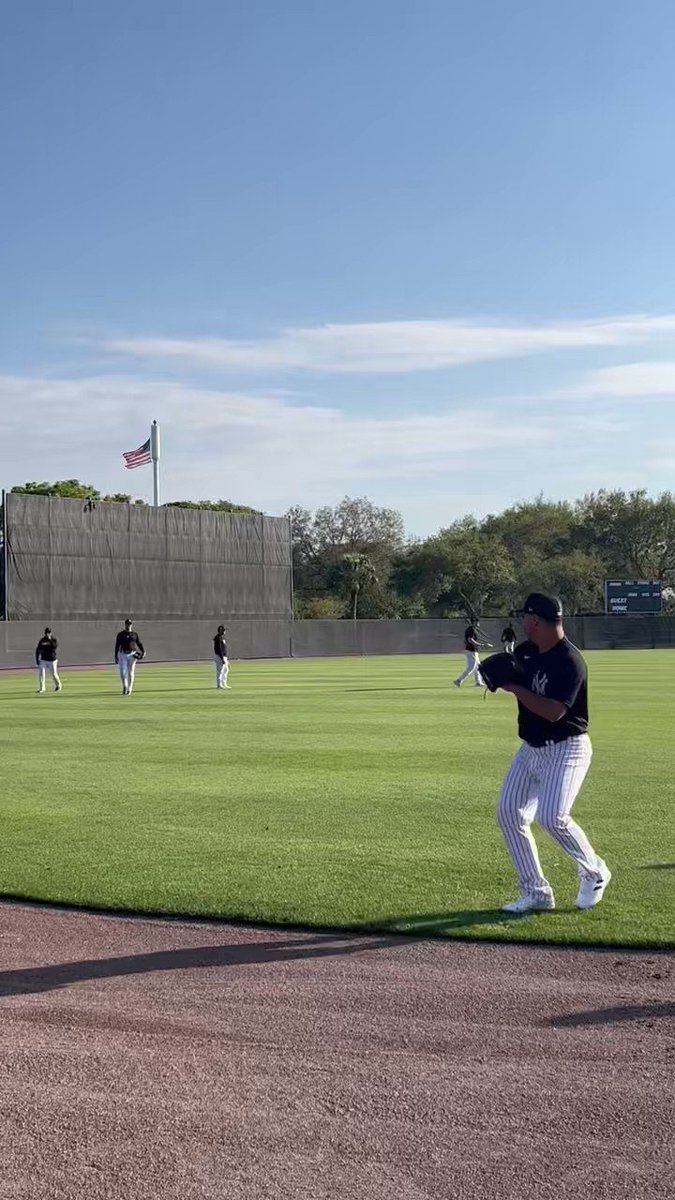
x=128, y=650
x=472, y=644
x=46, y=660
x=548, y=771
x=220, y=658
x=508, y=639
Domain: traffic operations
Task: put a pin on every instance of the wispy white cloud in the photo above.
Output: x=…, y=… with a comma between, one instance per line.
x=637, y=379
x=267, y=432
x=273, y=450
x=394, y=347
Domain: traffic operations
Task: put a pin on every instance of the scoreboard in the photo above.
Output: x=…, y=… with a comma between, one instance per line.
x=632, y=596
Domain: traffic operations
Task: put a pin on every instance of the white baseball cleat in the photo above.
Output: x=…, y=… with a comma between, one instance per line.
x=527, y=904
x=591, y=889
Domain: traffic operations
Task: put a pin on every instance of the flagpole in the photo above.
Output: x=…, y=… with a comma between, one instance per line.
x=154, y=450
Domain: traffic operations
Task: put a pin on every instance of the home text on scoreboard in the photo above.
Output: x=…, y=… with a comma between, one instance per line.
x=632, y=596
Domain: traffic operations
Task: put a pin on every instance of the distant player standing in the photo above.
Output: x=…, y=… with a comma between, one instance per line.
x=128, y=650
x=472, y=645
x=548, y=771
x=46, y=660
x=509, y=639
x=220, y=658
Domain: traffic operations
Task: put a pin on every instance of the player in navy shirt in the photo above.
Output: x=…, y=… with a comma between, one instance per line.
x=509, y=639
x=220, y=658
x=46, y=659
x=472, y=644
x=548, y=771
x=128, y=650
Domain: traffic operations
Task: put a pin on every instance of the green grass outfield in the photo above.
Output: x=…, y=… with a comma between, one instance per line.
x=348, y=792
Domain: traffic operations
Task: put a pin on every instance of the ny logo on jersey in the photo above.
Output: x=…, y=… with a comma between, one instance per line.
x=539, y=683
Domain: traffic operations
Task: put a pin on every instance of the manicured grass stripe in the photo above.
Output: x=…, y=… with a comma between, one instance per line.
x=347, y=792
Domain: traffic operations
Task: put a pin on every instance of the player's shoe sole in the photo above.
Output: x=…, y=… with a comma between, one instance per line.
x=524, y=905
x=591, y=891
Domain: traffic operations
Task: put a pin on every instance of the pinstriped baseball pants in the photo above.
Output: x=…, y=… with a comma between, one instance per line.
x=542, y=784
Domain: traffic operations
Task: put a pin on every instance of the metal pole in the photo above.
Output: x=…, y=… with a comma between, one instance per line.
x=292, y=621
x=154, y=450
x=5, y=560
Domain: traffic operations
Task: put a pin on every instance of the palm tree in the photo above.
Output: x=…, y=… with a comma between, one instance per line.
x=356, y=570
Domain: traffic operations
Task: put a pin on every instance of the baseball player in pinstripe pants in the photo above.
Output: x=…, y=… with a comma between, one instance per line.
x=548, y=771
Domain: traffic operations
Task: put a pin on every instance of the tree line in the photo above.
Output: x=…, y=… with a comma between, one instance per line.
x=72, y=489
x=354, y=559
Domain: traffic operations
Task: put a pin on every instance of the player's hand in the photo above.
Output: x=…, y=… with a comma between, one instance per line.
x=514, y=688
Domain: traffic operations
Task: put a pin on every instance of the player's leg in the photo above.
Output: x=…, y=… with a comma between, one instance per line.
x=566, y=768
x=474, y=671
x=122, y=668
x=41, y=675
x=226, y=671
x=468, y=670
x=218, y=664
x=54, y=668
x=515, y=814
x=131, y=671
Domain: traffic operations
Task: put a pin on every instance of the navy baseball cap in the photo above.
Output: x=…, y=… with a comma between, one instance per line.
x=548, y=608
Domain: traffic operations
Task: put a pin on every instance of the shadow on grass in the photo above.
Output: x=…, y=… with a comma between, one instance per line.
x=439, y=923
x=608, y=1016
x=657, y=867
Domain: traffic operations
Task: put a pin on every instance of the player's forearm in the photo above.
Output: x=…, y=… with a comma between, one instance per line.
x=541, y=706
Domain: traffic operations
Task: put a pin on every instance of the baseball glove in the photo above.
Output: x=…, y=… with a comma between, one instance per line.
x=500, y=669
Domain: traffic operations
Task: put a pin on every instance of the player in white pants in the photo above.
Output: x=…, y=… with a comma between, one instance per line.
x=220, y=658
x=472, y=645
x=508, y=639
x=128, y=650
x=46, y=660
x=126, y=664
x=548, y=771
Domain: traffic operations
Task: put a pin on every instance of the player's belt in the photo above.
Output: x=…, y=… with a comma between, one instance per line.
x=556, y=741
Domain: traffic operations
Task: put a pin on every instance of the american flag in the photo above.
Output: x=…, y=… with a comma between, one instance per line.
x=137, y=458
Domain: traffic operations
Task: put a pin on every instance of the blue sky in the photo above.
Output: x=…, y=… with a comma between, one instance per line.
x=420, y=252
